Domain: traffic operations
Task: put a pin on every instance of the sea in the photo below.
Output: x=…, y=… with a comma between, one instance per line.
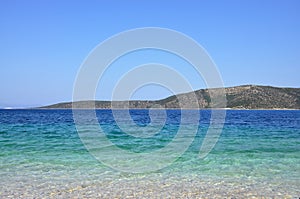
x=50, y=154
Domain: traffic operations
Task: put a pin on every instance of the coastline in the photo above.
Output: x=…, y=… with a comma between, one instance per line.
x=244, y=97
x=158, y=187
x=239, y=109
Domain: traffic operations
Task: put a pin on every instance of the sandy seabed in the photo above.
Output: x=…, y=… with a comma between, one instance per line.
x=150, y=188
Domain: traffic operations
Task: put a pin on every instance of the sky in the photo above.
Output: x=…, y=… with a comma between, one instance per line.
x=44, y=43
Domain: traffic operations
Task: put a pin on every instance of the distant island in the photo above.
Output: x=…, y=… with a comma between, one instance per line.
x=238, y=97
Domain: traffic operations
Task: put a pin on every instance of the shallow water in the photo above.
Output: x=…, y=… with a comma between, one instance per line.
x=257, y=154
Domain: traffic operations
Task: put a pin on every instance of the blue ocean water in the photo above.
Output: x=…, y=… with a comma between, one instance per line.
x=258, y=153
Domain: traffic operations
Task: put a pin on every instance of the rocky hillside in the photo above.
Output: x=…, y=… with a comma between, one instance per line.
x=263, y=97
x=239, y=97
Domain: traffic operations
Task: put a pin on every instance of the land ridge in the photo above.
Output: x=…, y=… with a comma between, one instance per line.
x=237, y=97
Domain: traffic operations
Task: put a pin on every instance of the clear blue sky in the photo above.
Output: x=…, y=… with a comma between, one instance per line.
x=43, y=43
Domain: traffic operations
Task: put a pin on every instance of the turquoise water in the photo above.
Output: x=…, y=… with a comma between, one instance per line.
x=257, y=154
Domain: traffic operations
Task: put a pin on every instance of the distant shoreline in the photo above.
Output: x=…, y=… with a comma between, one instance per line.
x=229, y=109
x=245, y=97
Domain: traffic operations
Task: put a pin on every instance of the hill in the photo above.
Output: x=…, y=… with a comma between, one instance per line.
x=238, y=97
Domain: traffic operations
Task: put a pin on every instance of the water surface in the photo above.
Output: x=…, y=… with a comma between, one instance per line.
x=257, y=154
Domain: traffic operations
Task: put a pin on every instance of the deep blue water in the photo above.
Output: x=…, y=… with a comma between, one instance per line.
x=261, y=145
